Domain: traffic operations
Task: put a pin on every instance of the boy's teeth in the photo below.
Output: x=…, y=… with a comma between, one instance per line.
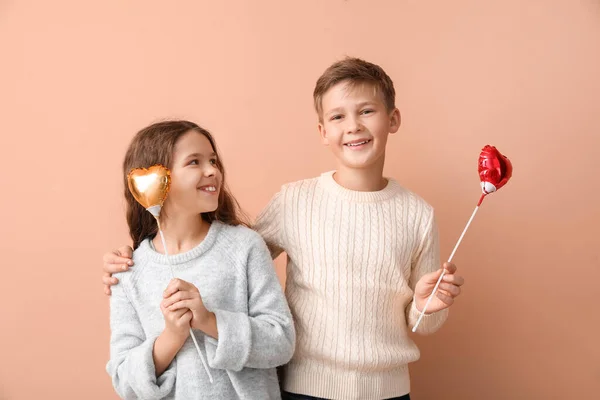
x=357, y=144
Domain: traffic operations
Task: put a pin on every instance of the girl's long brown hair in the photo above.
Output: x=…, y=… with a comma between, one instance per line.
x=155, y=144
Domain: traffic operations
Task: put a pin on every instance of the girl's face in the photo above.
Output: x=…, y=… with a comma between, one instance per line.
x=195, y=178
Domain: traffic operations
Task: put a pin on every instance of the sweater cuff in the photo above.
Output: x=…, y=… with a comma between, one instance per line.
x=232, y=349
x=429, y=323
x=144, y=373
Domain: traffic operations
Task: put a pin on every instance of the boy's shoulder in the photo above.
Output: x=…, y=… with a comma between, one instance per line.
x=410, y=195
x=418, y=207
x=295, y=189
x=301, y=183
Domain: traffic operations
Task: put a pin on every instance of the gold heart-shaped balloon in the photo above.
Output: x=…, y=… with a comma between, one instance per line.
x=150, y=186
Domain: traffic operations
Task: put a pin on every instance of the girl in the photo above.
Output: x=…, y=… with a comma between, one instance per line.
x=226, y=288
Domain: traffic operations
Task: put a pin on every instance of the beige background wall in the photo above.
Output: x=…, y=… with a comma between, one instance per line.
x=77, y=79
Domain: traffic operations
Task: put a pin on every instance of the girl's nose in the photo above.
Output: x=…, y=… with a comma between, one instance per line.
x=210, y=171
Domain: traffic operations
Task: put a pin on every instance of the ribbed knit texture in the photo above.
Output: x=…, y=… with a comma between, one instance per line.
x=353, y=261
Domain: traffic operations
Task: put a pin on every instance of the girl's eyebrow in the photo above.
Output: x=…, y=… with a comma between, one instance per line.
x=198, y=155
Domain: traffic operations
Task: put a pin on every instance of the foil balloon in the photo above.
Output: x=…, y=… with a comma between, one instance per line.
x=150, y=186
x=495, y=170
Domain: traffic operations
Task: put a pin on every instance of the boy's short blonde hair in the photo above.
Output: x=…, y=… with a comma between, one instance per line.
x=355, y=71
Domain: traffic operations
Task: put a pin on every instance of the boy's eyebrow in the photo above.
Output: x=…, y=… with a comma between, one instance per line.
x=361, y=104
x=334, y=110
x=366, y=103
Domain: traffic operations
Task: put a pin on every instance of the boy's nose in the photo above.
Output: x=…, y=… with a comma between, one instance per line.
x=353, y=126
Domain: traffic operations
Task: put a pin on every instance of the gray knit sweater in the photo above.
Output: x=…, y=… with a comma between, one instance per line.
x=234, y=273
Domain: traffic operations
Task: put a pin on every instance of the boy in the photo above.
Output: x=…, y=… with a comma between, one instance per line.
x=362, y=251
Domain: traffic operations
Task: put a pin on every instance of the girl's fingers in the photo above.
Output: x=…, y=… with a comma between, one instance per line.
x=183, y=304
x=172, y=313
x=178, y=296
x=178, y=285
x=174, y=286
x=187, y=316
x=171, y=288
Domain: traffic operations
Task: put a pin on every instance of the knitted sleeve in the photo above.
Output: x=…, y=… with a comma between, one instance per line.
x=269, y=224
x=427, y=260
x=131, y=365
x=264, y=337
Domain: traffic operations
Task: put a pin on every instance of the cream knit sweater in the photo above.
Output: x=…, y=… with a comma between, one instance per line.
x=353, y=261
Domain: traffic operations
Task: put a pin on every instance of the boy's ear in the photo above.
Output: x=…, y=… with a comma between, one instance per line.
x=395, y=121
x=323, y=134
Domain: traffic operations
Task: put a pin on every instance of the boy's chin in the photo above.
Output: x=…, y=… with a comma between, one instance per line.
x=357, y=163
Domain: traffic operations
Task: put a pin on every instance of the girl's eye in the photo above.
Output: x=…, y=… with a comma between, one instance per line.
x=213, y=161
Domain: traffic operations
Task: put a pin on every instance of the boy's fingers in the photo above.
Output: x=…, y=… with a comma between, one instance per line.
x=450, y=288
x=112, y=258
x=449, y=267
x=108, y=280
x=107, y=290
x=126, y=251
x=432, y=277
x=445, y=299
x=114, y=268
x=454, y=279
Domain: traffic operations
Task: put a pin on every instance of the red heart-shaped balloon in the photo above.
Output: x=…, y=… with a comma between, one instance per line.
x=494, y=169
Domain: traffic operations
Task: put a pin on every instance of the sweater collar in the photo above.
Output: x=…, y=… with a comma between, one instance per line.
x=148, y=249
x=390, y=190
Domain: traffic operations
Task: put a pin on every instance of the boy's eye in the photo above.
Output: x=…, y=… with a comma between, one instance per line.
x=367, y=111
x=336, y=117
x=193, y=162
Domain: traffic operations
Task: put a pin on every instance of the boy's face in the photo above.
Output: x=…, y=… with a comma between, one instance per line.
x=356, y=123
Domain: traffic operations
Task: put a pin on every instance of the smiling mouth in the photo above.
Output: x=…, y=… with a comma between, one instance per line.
x=209, y=189
x=357, y=144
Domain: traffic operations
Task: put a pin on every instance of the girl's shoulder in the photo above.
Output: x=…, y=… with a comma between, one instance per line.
x=241, y=236
x=140, y=261
x=238, y=244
